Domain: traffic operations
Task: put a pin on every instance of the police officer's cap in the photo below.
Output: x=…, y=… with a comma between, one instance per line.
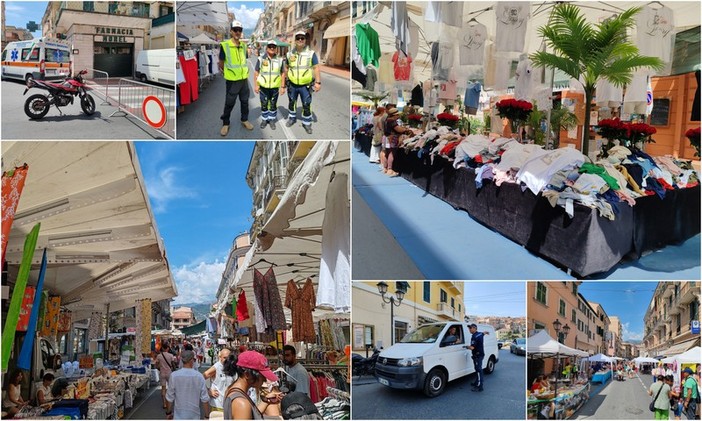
x=237, y=24
x=303, y=33
x=473, y=325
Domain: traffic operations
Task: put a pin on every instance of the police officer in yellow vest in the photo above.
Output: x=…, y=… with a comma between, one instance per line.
x=233, y=64
x=270, y=78
x=303, y=76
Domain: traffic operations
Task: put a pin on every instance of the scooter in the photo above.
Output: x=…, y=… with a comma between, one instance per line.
x=364, y=366
x=59, y=94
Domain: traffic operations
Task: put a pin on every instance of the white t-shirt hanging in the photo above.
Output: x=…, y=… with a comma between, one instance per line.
x=180, y=76
x=471, y=44
x=399, y=23
x=511, y=28
x=522, y=87
x=655, y=32
x=635, y=96
x=607, y=95
x=442, y=59
x=448, y=12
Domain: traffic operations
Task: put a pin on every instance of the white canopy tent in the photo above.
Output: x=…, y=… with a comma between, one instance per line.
x=102, y=242
x=600, y=358
x=202, y=39
x=686, y=15
x=212, y=13
x=544, y=345
x=693, y=355
x=291, y=241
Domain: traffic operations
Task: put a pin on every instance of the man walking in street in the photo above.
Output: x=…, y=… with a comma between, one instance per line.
x=270, y=79
x=303, y=78
x=690, y=394
x=220, y=381
x=234, y=65
x=476, y=345
x=295, y=370
x=187, y=392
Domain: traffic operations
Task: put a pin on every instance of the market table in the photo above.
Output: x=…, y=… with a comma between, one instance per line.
x=586, y=244
x=601, y=376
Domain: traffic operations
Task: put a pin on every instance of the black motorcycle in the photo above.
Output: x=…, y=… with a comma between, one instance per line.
x=59, y=94
x=364, y=366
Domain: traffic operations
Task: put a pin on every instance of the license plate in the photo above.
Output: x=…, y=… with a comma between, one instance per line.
x=383, y=381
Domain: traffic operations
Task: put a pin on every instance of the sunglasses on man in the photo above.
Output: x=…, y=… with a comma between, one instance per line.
x=272, y=46
x=237, y=29
x=300, y=38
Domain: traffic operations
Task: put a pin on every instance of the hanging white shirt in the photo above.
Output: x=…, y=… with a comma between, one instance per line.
x=512, y=18
x=608, y=95
x=471, y=44
x=522, y=87
x=635, y=96
x=334, y=269
x=448, y=12
x=399, y=23
x=655, y=32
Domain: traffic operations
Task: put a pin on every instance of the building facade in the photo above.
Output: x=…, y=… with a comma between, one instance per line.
x=424, y=302
x=240, y=245
x=601, y=328
x=551, y=301
x=161, y=314
x=614, y=347
x=586, y=326
x=669, y=318
x=270, y=168
x=182, y=317
x=108, y=36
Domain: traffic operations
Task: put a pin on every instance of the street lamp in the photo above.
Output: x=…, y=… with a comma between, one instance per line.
x=400, y=294
x=558, y=327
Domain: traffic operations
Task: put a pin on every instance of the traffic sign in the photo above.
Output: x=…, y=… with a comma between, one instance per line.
x=154, y=112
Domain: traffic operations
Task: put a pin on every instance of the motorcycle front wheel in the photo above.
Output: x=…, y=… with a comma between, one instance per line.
x=36, y=106
x=87, y=103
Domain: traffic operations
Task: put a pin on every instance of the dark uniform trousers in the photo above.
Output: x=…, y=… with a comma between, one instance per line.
x=240, y=89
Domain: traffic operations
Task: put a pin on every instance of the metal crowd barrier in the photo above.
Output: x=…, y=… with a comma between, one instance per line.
x=102, y=81
x=131, y=95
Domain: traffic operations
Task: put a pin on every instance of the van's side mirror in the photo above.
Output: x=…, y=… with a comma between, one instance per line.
x=448, y=340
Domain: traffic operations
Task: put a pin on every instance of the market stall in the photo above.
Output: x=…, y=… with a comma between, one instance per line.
x=300, y=262
x=604, y=374
x=688, y=359
x=563, y=397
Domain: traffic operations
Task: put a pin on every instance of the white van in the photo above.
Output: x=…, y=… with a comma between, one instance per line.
x=425, y=359
x=40, y=58
x=156, y=66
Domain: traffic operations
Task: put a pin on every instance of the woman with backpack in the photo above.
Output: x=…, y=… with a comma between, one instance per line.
x=166, y=363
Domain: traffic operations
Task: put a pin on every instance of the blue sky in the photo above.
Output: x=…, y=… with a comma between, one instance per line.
x=626, y=300
x=201, y=202
x=505, y=299
x=18, y=13
x=246, y=12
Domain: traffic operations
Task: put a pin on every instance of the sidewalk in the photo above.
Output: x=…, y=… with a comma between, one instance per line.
x=336, y=71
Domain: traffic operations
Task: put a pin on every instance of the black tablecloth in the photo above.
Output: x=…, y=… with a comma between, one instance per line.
x=586, y=243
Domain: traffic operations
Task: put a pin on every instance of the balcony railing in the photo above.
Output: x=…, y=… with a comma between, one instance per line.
x=163, y=20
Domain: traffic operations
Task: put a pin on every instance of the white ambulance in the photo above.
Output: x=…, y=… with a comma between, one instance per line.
x=40, y=58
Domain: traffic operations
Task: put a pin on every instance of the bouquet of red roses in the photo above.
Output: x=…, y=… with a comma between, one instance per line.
x=639, y=132
x=694, y=136
x=611, y=129
x=447, y=119
x=514, y=109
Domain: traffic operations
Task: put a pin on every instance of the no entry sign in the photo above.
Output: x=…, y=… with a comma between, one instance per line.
x=154, y=112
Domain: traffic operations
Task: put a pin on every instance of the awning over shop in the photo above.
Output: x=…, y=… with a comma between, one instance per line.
x=194, y=329
x=181, y=37
x=212, y=13
x=96, y=223
x=680, y=348
x=291, y=241
x=202, y=39
x=542, y=343
x=339, y=29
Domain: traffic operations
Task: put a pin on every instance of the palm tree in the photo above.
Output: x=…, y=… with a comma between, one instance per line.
x=588, y=52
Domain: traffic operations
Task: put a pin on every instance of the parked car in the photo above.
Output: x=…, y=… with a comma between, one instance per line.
x=518, y=346
x=429, y=357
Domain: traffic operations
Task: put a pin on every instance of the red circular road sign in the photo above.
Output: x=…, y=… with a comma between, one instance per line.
x=154, y=112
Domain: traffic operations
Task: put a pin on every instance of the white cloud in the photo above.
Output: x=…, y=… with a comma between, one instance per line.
x=165, y=188
x=247, y=17
x=13, y=7
x=198, y=283
x=629, y=335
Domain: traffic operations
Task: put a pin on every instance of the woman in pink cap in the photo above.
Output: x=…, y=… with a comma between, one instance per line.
x=250, y=370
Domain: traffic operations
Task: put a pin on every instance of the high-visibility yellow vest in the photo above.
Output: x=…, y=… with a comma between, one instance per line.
x=300, y=66
x=235, y=65
x=269, y=72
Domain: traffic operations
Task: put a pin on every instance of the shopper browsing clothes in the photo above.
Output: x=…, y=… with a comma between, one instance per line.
x=295, y=370
x=251, y=370
x=233, y=64
x=270, y=80
x=476, y=345
x=303, y=78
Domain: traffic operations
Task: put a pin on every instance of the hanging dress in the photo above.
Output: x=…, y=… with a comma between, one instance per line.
x=301, y=302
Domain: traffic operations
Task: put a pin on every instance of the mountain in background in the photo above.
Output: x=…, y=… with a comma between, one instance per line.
x=200, y=310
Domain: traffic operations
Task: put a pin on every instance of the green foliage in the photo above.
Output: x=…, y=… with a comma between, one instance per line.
x=588, y=52
x=534, y=121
